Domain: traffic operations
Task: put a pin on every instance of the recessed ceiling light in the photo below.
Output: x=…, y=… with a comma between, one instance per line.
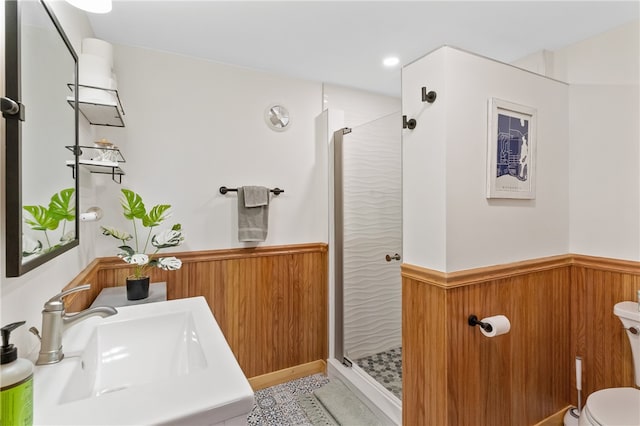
x=391, y=61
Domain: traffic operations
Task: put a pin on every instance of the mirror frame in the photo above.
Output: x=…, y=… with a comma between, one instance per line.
x=13, y=143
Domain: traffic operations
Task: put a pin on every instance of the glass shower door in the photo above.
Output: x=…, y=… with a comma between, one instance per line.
x=372, y=243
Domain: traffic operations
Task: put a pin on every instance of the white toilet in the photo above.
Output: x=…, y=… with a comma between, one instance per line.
x=618, y=406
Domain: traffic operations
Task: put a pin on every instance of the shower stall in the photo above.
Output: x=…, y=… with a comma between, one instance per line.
x=367, y=200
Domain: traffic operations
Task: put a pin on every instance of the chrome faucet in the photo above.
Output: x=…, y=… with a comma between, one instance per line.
x=55, y=321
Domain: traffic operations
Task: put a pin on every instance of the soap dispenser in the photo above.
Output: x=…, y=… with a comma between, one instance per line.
x=16, y=381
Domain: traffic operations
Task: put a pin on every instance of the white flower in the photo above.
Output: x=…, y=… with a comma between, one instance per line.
x=167, y=238
x=137, y=259
x=169, y=263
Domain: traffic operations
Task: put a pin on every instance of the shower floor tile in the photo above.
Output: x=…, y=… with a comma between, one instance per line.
x=386, y=368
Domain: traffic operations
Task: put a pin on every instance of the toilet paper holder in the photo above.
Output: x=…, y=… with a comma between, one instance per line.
x=473, y=321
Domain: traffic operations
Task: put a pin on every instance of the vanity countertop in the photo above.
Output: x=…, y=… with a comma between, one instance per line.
x=117, y=296
x=154, y=363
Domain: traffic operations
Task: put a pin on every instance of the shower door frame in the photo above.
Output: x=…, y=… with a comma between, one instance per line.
x=376, y=397
x=338, y=241
x=374, y=394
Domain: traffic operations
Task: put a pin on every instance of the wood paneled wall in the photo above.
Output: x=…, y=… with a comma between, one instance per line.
x=424, y=354
x=598, y=337
x=559, y=307
x=270, y=302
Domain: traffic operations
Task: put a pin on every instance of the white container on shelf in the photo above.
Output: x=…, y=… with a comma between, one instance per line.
x=94, y=71
x=97, y=47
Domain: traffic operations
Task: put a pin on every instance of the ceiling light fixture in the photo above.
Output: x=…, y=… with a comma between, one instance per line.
x=92, y=6
x=391, y=61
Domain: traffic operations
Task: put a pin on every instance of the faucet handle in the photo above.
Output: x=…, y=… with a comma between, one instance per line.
x=56, y=304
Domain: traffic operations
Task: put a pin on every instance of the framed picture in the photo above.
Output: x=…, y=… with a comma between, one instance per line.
x=511, y=151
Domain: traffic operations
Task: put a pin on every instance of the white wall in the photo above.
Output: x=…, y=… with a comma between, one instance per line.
x=604, y=73
x=424, y=210
x=450, y=225
x=608, y=58
x=22, y=298
x=193, y=126
x=359, y=106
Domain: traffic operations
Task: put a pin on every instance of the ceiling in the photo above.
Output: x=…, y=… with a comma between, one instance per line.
x=344, y=42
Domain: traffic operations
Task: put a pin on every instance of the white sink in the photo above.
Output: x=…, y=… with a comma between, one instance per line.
x=164, y=362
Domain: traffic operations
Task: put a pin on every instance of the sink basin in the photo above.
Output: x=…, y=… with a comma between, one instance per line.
x=164, y=362
x=160, y=347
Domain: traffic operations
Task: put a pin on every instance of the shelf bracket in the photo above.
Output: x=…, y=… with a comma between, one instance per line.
x=113, y=176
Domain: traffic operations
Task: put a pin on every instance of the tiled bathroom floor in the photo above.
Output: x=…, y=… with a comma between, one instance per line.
x=278, y=405
x=386, y=368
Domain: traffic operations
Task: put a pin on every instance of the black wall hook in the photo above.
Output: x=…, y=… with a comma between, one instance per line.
x=473, y=321
x=428, y=96
x=408, y=124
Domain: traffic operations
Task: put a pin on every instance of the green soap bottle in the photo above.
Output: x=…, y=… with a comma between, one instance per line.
x=16, y=383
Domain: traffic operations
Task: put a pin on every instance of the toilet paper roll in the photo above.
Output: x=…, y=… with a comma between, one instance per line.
x=113, y=82
x=93, y=71
x=97, y=47
x=499, y=325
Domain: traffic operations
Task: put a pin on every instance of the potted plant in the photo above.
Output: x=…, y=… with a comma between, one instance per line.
x=61, y=209
x=133, y=252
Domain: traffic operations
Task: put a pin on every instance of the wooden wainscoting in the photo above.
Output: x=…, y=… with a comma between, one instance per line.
x=270, y=302
x=559, y=307
x=424, y=354
x=598, y=337
x=518, y=378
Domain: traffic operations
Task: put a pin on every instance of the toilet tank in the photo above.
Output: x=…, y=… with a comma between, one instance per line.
x=629, y=315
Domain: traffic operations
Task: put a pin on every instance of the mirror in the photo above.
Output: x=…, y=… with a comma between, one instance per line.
x=41, y=192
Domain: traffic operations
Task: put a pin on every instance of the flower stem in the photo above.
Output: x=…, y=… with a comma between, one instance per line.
x=47, y=237
x=148, y=237
x=135, y=233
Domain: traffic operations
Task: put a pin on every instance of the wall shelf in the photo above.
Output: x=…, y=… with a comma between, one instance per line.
x=100, y=106
x=98, y=166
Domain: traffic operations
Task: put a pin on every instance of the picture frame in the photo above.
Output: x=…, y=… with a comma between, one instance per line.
x=511, y=150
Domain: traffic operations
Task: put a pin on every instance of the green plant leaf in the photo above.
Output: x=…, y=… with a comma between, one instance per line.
x=156, y=215
x=116, y=233
x=42, y=220
x=132, y=205
x=167, y=238
x=126, y=251
x=61, y=207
